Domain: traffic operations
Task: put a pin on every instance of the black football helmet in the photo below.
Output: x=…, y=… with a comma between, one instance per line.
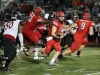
x=16, y=15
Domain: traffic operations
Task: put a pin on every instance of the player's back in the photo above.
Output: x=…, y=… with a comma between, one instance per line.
x=31, y=21
x=11, y=28
x=83, y=27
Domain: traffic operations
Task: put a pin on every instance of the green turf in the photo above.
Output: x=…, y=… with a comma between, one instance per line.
x=88, y=64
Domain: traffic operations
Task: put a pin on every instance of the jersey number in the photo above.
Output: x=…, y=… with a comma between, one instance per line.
x=8, y=25
x=83, y=25
x=31, y=16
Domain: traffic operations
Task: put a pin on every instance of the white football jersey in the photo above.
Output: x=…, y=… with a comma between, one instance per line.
x=73, y=29
x=11, y=28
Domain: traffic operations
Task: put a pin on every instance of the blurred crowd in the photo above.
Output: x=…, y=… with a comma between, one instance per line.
x=77, y=6
x=48, y=5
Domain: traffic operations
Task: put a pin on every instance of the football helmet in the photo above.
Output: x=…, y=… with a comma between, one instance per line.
x=98, y=15
x=75, y=17
x=60, y=15
x=37, y=10
x=52, y=15
x=16, y=15
x=86, y=16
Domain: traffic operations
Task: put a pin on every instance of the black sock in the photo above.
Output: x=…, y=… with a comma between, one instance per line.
x=7, y=63
x=78, y=52
x=60, y=56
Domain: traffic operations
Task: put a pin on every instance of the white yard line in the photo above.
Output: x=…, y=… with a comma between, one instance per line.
x=47, y=74
x=50, y=69
x=94, y=73
x=18, y=61
x=22, y=68
x=14, y=74
x=80, y=70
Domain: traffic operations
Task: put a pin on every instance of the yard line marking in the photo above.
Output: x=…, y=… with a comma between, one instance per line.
x=18, y=61
x=47, y=74
x=50, y=69
x=22, y=68
x=98, y=72
x=80, y=70
x=14, y=74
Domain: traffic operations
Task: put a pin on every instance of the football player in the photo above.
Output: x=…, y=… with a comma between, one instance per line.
x=85, y=26
x=30, y=28
x=54, y=36
x=11, y=28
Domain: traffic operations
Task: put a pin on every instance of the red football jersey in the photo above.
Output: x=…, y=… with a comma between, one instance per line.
x=83, y=27
x=32, y=20
x=41, y=28
x=57, y=24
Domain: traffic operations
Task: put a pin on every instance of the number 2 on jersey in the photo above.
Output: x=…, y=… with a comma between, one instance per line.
x=83, y=25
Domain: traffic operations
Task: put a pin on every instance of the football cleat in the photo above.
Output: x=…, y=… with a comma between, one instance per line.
x=17, y=56
x=22, y=48
x=26, y=52
x=53, y=64
x=78, y=55
x=32, y=51
x=57, y=60
x=37, y=57
x=6, y=69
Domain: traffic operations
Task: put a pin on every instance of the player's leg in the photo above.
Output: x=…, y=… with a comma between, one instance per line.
x=84, y=43
x=57, y=47
x=75, y=45
x=78, y=54
x=9, y=51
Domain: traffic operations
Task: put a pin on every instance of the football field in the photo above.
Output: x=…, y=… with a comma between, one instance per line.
x=88, y=64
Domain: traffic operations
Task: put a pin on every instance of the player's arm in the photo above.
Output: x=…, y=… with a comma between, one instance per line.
x=65, y=26
x=72, y=26
x=44, y=22
x=91, y=32
x=53, y=32
x=20, y=27
x=71, y=31
x=99, y=29
x=20, y=35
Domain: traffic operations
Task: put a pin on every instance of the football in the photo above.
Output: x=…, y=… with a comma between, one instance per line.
x=60, y=33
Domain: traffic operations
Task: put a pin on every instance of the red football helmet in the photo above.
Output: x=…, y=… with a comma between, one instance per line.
x=86, y=16
x=60, y=14
x=37, y=10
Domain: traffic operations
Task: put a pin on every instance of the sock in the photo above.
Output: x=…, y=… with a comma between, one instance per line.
x=78, y=52
x=17, y=51
x=52, y=60
x=20, y=35
x=36, y=51
x=7, y=63
x=22, y=48
x=60, y=56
